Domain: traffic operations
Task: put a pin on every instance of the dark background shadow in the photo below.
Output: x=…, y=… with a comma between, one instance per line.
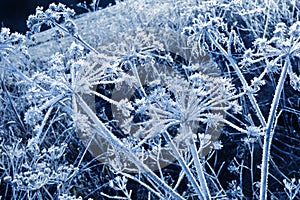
x=14, y=13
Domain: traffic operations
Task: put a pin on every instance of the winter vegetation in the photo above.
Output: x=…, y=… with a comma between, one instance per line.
x=153, y=99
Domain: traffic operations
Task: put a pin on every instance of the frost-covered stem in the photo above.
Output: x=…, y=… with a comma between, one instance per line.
x=105, y=98
x=114, y=141
x=77, y=37
x=232, y=125
x=40, y=130
x=252, y=166
x=184, y=166
x=270, y=130
x=113, y=197
x=199, y=169
x=242, y=79
x=85, y=151
x=73, y=88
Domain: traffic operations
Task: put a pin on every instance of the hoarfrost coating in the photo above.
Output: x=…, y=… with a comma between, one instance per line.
x=155, y=100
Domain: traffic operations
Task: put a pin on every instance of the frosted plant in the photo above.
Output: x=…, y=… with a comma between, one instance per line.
x=162, y=102
x=51, y=17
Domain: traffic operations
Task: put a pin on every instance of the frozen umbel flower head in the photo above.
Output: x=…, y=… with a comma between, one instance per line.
x=163, y=87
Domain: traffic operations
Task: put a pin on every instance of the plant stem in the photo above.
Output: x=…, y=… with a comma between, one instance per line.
x=77, y=37
x=199, y=169
x=242, y=79
x=270, y=130
x=184, y=166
